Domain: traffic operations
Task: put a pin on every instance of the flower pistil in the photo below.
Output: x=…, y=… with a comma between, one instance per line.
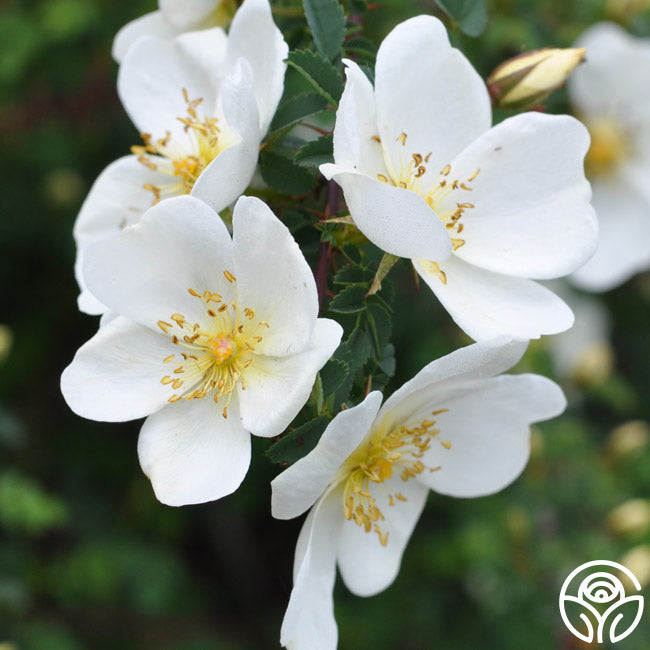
x=217, y=352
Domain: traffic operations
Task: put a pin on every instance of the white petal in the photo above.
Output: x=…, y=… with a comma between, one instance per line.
x=254, y=36
x=618, y=62
x=488, y=425
x=531, y=215
x=429, y=91
x=624, y=241
x=479, y=360
x=145, y=271
x=366, y=566
x=192, y=454
x=228, y=175
x=278, y=387
x=298, y=487
x=154, y=73
x=396, y=220
x=356, y=126
x=151, y=24
x=486, y=304
x=309, y=620
x=273, y=278
x=86, y=302
x=185, y=15
x=117, y=199
x=116, y=375
x=589, y=334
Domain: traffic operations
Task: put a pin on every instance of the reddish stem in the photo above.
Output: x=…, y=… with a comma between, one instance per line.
x=325, y=249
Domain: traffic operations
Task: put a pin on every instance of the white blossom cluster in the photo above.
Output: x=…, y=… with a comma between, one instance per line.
x=213, y=334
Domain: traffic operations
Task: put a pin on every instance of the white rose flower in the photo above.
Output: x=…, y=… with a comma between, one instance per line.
x=213, y=337
x=458, y=428
x=611, y=94
x=172, y=18
x=202, y=102
x=479, y=210
x=584, y=353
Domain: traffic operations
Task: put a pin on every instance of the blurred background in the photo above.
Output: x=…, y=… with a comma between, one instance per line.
x=90, y=560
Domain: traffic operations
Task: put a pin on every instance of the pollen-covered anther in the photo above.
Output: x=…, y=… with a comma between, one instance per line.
x=373, y=463
x=218, y=350
x=434, y=268
x=188, y=156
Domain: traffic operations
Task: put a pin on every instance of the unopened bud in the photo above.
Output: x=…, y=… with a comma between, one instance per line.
x=6, y=339
x=629, y=438
x=594, y=364
x=527, y=79
x=630, y=518
x=637, y=561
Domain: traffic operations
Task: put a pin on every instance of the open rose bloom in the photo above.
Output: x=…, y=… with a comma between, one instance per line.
x=172, y=18
x=611, y=94
x=202, y=103
x=212, y=338
x=479, y=210
x=458, y=427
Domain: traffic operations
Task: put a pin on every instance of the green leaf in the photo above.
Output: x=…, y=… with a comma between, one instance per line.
x=295, y=108
x=471, y=15
x=316, y=152
x=25, y=507
x=319, y=72
x=349, y=300
x=380, y=324
x=326, y=21
x=353, y=274
x=352, y=252
x=362, y=47
x=299, y=442
x=356, y=349
x=387, y=361
x=283, y=175
x=336, y=376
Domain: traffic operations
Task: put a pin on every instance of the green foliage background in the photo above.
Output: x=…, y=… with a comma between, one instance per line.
x=89, y=558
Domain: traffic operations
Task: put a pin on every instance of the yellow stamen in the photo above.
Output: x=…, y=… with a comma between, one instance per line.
x=610, y=146
x=218, y=349
x=189, y=157
x=373, y=463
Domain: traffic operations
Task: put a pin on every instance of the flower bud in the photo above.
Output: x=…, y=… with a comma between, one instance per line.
x=637, y=560
x=629, y=438
x=525, y=80
x=6, y=339
x=630, y=518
